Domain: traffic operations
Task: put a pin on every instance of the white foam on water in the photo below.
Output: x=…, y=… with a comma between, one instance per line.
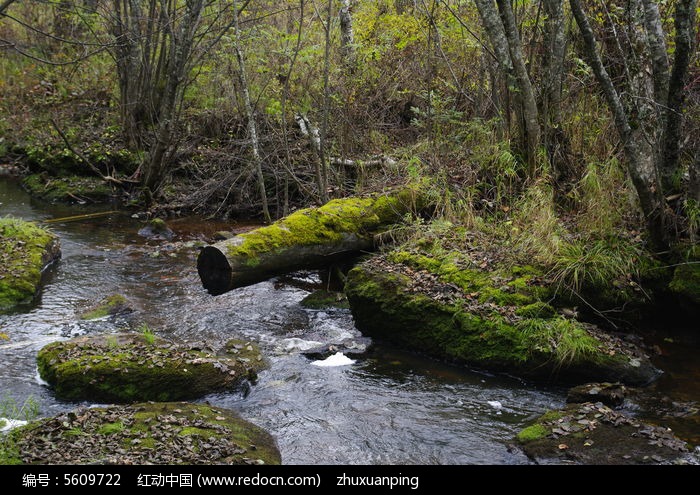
x=337, y=359
x=8, y=424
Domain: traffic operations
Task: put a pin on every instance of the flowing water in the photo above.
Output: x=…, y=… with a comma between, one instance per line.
x=387, y=407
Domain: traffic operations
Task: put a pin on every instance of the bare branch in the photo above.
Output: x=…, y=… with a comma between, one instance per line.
x=4, y=5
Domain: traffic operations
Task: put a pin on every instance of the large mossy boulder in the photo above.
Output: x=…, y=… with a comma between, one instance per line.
x=150, y=433
x=25, y=250
x=592, y=433
x=137, y=367
x=496, y=318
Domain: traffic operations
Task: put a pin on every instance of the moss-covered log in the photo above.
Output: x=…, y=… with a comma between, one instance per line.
x=150, y=433
x=25, y=250
x=308, y=238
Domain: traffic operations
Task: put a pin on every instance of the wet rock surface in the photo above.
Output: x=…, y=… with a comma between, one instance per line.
x=113, y=305
x=593, y=433
x=136, y=367
x=149, y=433
x=156, y=229
x=610, y=394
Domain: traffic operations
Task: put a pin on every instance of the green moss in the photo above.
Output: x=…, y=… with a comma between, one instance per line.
x=92, y=368
x=505, y=286
x=24, y=250
x=686, y=281
x=551, y=416
x=592, y=433
x=330, y=222
x=67, y=189
x=532, y=433
x=194, y=430
x=387, y=306
x=321, y=299
x=111, y=428
x=108, y=306
x=537, y=309
x=153, y=433
x=9, y=450
x=566, y=339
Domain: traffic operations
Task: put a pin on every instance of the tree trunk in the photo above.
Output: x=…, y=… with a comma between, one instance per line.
x=322, y=174
x=529, y=102
x=685, y=34
x=641, y=169
x=657, y=49
x=347, y=37
x=309, y=238
x=181, y=46
x=250, y=116
x=554, y=50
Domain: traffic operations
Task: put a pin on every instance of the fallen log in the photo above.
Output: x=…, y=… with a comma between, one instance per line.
x=308, y=238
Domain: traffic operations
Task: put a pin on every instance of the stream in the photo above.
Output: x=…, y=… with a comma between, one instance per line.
x=387, y=408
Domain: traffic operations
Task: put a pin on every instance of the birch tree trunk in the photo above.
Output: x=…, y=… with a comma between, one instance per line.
x=347, y=37
x=507, y=47
x=641, y=169
x=250, y=115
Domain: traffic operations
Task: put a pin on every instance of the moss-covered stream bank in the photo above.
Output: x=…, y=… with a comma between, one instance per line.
x=388, y=407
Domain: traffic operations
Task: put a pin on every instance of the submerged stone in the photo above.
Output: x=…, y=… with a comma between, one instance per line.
x=137, y=367
x=149, y=433
x=109, y=306
x=25, y=250
x=156, y=229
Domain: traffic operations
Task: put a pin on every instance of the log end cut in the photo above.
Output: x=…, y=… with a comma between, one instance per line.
x=214, y=270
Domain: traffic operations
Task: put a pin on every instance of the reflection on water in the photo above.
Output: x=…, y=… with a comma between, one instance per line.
x=388, y=407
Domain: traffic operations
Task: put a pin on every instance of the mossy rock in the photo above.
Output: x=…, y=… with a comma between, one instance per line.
x=149, y=433
x=686, y=283
x=126, y=368
x=472, y=317
x=591, y=433
x=25, y=249
x=68, y=189
x=156, y=228
x=109, y=306
x=323, y=299
x=610, y=394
